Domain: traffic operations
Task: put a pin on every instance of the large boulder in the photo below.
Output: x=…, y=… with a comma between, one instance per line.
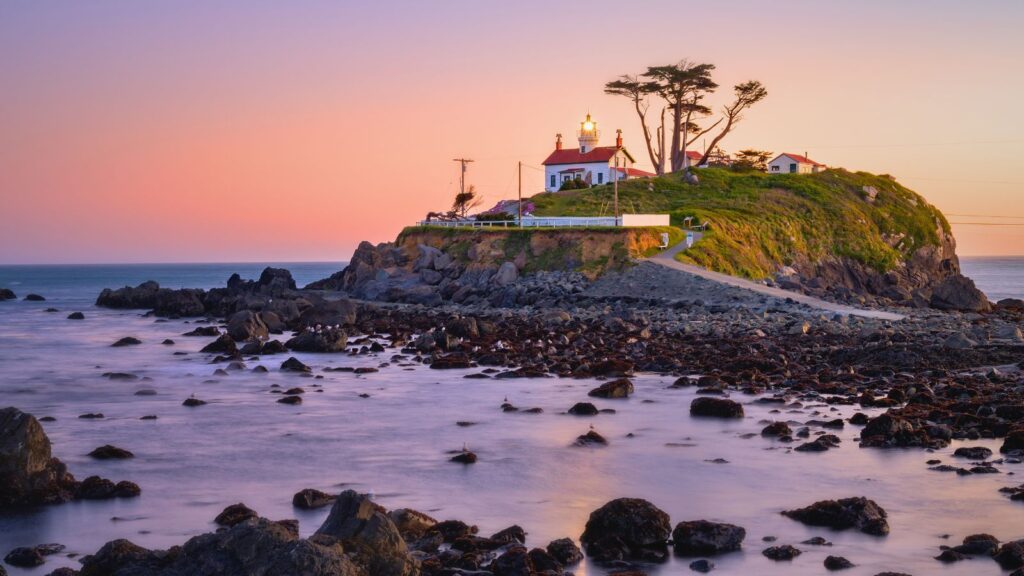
x=247, y=325
x=141, y=296
x=29, y=474
x=626, y=528
x=366, y=530
x=618, y=388
x=959, y=293
x=507, y=274
x=703, y=538
x=328, y=313
x=7, y=294
x=716, y=407
x=326, y=340
x=860, y=513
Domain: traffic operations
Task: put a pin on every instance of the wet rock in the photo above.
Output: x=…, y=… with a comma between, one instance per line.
x=949, y=555
x=978, y=545
x=324, y=340
x=235, y=514
x=25, y=557
x=777, y=430
x=76, y=316
x=703, y=538
x=819, y=444
x=1013, y=441
x=565, y=551
x=451, y=361
x=193, y=402
x=35, y=298
x=291, y=400
x=1010, y=555
x=452, y=530
x=626, y=529
x=203, y=331
x=973, y=452
x=7, y=294
x=338, y=313
x=224, y=344
x=837, y=563
x=310, y=499
x=783, y=552
x=293, y=365
x=370, y=533
x=247, y=325
x=858, y=512
x=29, y=474
x=96, y=488
x=583, y=409
x=716, y=407
x=544, y=562
x=591, y=438
x=511, y=535
x=619, y=388
x=108, y=452
x=703, y=566
x=412, y=524
x=126, y=341
x=465, y=457
x=959, y=293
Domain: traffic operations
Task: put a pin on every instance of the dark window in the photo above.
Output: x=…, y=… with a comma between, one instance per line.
x=600, y=177
x=792, y=168
x=554, y=181
x=775, y=168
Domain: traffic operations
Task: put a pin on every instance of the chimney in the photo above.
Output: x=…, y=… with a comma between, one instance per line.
x=558, y=141
x=618, y=138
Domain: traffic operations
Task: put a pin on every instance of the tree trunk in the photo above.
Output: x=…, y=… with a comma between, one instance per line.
x=647, y=134
x=717, y=139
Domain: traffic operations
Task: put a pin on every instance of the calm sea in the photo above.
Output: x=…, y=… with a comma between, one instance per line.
x=997, y=276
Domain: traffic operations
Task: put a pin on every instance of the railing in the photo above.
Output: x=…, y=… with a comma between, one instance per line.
x=541, y=222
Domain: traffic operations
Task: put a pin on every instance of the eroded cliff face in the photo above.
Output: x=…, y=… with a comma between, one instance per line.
x=929, y=276
x=431, y=266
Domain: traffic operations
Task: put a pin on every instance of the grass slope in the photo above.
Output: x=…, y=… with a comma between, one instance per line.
x=758, y=221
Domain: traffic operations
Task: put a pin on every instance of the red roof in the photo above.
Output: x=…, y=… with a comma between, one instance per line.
x=694, y=155
x=800, y=159
x=573, y=156
x=635, y=173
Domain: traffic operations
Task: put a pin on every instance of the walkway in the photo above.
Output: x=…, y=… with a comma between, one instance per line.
x=667, y=259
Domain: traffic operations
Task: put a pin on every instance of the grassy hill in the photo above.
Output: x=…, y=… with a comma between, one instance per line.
x=759, y=222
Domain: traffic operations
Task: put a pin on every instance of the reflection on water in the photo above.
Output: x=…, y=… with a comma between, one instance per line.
x=244, y=447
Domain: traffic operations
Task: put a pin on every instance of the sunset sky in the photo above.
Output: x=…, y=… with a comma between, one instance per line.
x=289, y=131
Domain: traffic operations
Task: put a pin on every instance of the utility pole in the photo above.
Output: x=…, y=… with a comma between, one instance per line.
x=615, y=185
x=462, y=174
x=519, y=207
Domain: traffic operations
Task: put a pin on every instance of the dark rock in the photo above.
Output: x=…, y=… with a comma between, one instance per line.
x=203, y=331
x=1010, y=555
x=544, y=562
x=452, y=530
x=619, y=388
x=978, y=545
x=465, y=457
x=369, y=531
x=511, y=535
x=626, y=528
x=565, y=551
x=583, y=409
x=324, y=340
x=973, y=452
x=25, y=557
x=716, y=407
x=247, y=325
x=703, y=566
x=591, y=438
x=235, y=514
x=412, y=524
x=29, y=474
x=784, y=552
x=1014, y=441
x=76, y=316
x=859, y=512
x=777, y=429
x=96, y=488
x=309, y=499
x=451, y=361
x=703, y=538
x=7, y=294
x=959, y=293
x=127, y=341
x=293, y=365
x=292, y=400
x=949, y=555
x=819, y=444
x=515, y=561
x=35, y=298
x=837, y=563
x=193, y=402
x=108, y=452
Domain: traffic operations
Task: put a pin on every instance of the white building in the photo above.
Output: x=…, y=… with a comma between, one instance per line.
x=590, y=163
x=787, y=163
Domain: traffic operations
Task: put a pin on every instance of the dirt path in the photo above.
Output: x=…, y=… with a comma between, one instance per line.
x=667, y=259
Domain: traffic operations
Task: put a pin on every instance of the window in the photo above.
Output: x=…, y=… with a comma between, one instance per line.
x=792, y=168
x=566, y=177
x=775, y=168
x=554, y=181
x=600, y=177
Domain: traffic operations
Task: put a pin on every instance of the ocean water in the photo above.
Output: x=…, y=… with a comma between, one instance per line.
x=997, y=276
x=245, y=447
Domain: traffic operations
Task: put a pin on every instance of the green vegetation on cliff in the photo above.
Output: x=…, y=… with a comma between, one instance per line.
x=758, y=222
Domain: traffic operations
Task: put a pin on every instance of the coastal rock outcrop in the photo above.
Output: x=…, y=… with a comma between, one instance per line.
x=365, y=529
x=627, y=529
x=29, y=474
x=859, y=512
x=7, y=294
x=703, y=538
x=716, y=407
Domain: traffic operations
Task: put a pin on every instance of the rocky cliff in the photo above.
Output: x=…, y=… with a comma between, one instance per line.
x=504, y=267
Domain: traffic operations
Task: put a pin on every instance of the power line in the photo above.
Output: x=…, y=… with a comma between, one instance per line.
x=982, y=216
x=986, y=223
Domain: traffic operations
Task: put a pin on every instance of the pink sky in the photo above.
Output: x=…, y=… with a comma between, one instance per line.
x=289, y=131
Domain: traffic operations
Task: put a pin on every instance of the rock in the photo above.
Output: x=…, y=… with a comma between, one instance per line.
x=819, y=444
x=412, y=524
x=973, y=452
x=959, y=341
x=619, y=388
x=108, y=452
x=29, y=474
x=291, y=400
x=777, y=430
x=837, y=563
x=367, y=529
x=507, y=274
x=454, y=360
x=203, y=331
x=626, y=529
x=544, y=562
x=235, y=514
x=25, y=557
x=224, y=344
x=949, y=555
x=96, y=488
x=310, y=499
x=565, y=551
x=784, y=552
x=703, y=566
x=35, y=298
x=293, y=365
x=339, y=313
x=703, y=538
x=591, y=438
x=583, y=409
x=959, y=293
x=324, y=340
x=7, y=294
x=978, y=545
x=247, y=325
x=193, y=402
x=515, y=561
x=1010, y=555
x=127, y=341
x=716, y=407
x=512, y=535
x=1014, y=441
x=465, y=457
x=76, y=316
x=859, y=512
x=120, y=557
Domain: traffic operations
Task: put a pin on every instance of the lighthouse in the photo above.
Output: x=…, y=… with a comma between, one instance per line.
x=590, y=164
x=588, y=135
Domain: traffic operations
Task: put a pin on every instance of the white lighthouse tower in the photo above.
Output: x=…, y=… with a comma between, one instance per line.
x=588, y=135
